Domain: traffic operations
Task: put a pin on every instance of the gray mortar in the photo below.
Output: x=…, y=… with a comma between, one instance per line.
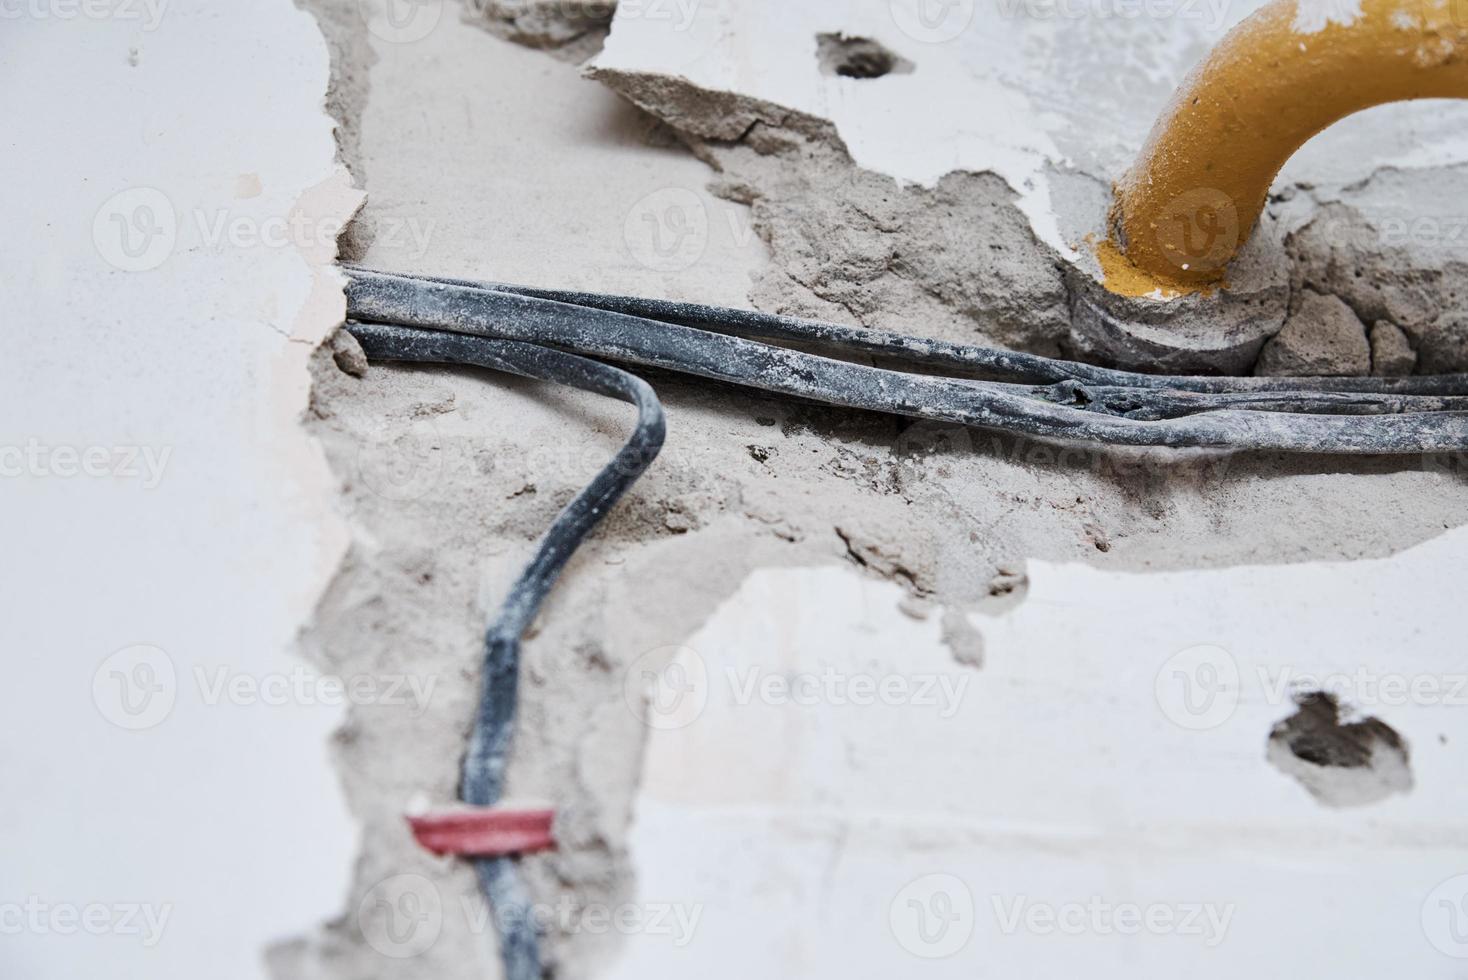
x=1384, y=275
x=572, y=30
x=449, y=476
x=1321, y=337
x=1391, y=353
x=957, y=261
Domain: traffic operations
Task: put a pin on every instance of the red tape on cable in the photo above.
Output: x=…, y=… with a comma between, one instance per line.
x=484, y=831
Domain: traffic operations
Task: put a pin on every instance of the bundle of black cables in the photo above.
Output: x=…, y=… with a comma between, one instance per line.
x=566, y=337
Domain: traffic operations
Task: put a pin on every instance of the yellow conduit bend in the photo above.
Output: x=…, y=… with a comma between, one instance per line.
x=1282, y=75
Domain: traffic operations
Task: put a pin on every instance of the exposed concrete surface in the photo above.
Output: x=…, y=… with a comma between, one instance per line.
x=1321, y=337
x=487, y=159
x=571, y=29
x=1391, y=352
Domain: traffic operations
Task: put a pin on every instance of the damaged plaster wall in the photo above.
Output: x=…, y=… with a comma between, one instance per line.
x=893, y=810
x=484, y=158
x=173, y=201
x=1008, y=99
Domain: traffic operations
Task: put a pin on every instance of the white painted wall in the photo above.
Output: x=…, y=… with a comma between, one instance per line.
x=158, y=490
x=828, y=793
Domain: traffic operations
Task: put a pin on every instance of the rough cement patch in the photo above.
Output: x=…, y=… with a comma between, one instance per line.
x=1340, y=763
x=572, y=30
x=956, y=261
x=1384, y=276
x=1391, y=353
x=1321, y=337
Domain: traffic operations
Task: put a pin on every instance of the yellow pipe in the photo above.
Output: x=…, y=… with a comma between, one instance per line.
x=1282, y=75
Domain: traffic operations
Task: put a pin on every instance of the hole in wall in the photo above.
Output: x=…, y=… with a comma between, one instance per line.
x=858, y=57
x=1340, y=762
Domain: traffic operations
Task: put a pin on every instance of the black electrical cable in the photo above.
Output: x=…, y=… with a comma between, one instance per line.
x=533, y=332
x=995, y=362
x=483, y=771
x=1063, y=411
